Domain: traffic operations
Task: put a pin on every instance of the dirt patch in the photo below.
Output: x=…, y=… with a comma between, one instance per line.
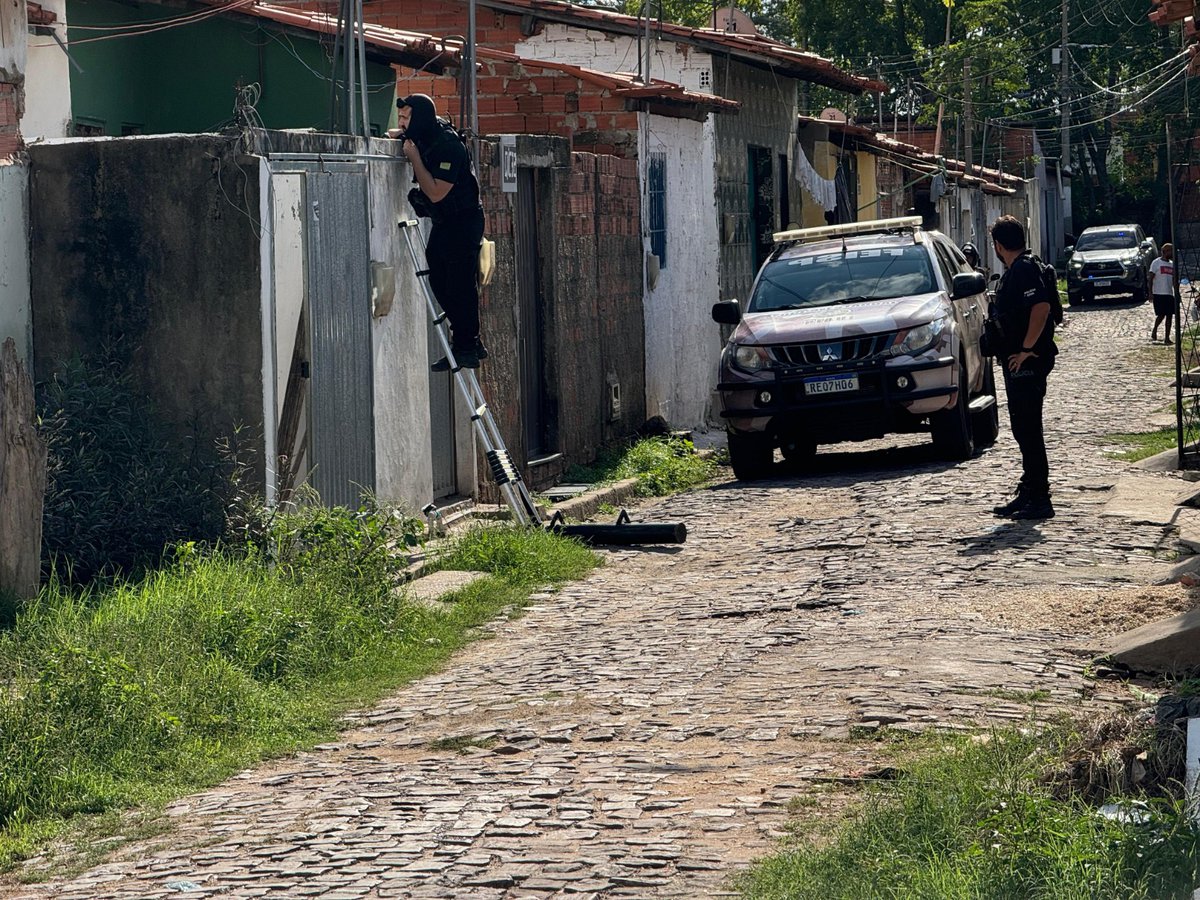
x=1081, y=611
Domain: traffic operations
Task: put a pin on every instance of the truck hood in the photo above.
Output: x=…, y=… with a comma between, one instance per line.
x=824, y=323
x=1095, y=256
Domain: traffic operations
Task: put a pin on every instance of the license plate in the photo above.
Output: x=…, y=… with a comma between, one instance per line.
x=831, y=384
x=1102, y=282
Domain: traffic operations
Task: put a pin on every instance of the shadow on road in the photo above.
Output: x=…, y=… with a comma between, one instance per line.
x=1002, y=536
x=876, y=464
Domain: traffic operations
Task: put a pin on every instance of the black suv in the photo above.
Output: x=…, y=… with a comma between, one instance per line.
x=1110, y=259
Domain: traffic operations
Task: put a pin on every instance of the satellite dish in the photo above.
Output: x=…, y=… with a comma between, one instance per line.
x=832, y=114
x=731, y=19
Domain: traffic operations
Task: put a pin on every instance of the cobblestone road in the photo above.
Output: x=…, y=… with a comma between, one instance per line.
x=642, y=732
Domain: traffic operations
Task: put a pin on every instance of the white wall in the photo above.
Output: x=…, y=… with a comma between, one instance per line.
x=678, y=63
x=47, y=82
x=682, y=341
x=15, y=319
x=403, y=455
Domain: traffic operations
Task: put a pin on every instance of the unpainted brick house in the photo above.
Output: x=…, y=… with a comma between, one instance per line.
x=710, y=119
x=253, y=266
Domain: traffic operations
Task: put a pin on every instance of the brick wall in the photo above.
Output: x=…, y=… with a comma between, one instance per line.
x=590, y=291
x=527, y=99
x=893, y=200
x=446, y=17
x=11, y=102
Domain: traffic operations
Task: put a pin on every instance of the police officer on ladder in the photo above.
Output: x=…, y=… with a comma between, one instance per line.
x=448, y=193
x=1026, y=358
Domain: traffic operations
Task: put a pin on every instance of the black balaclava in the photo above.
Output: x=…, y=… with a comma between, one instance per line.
x=423, y=126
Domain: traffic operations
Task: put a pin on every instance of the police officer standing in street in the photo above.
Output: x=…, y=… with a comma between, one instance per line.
x=447, y=192
x=1026, y=357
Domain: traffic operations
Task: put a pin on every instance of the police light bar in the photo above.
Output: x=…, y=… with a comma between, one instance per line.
x=901, y=223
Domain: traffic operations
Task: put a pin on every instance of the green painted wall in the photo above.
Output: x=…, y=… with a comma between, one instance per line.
x=183, y=78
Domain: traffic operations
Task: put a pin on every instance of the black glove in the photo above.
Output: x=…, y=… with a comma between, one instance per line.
x=420, y=203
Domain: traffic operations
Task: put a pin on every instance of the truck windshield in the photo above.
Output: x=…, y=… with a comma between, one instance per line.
x=851, y=277
x=1106, y=240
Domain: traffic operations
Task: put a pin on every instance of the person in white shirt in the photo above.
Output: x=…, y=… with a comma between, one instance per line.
x=1162, y=289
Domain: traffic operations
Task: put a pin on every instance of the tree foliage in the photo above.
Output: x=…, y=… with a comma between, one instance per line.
x=1125, y=77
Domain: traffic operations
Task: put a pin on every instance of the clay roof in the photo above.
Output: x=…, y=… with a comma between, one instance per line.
x=991, y=180
x=755, y=49
x=424, y=51
x=407, y=48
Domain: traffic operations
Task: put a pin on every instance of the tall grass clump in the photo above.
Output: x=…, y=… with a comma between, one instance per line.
x=519, y=556
x=661, y=465
x=133, y=691
x=982, y=820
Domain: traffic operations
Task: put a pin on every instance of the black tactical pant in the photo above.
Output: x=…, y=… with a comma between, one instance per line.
x=453, y=256
x=1026, y=390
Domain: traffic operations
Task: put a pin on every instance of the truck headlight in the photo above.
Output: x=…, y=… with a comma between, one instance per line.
x=750, y=358
x=919, y=339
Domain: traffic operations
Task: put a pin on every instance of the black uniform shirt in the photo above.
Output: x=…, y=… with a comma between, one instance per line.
x=1019, y=290
x=447, y=160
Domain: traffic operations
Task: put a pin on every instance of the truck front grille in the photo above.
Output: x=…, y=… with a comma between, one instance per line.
x=824, y=353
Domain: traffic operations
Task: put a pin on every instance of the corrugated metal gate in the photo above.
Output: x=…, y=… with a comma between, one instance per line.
x=337, y=309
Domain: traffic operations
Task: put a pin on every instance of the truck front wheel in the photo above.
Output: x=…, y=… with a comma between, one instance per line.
x=751, y=455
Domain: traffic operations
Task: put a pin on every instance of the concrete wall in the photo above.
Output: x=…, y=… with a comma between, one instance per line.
x=153, y=242
x=14, y=258
x=682, y=342
x=767, y=119
x=48, y=82
x=403, y=461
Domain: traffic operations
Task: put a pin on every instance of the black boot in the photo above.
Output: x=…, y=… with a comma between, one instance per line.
x=467, y=358
x=1036, y=506
x=1017, y=501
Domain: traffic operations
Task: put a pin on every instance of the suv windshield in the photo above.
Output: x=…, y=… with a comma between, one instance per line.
x=850, y=277
x=1106, y=240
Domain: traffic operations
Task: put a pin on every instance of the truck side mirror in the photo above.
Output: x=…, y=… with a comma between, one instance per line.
x=727, y=312
x=967, y=284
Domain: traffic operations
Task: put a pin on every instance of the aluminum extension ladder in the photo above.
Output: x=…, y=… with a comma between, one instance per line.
x=506, y=475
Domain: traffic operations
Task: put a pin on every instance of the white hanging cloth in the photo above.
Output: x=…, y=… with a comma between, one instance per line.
x=823, y=190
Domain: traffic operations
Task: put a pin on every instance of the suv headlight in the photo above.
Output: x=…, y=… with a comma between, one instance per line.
x=750, y=358
x=1075, y=262
x=919, y=339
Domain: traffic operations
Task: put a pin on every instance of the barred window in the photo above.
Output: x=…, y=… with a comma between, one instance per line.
x=657, y=187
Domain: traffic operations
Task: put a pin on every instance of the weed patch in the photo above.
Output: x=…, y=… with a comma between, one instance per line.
x=133, y=692
x=971, y=819
x=1133, y=446
x=661, y=465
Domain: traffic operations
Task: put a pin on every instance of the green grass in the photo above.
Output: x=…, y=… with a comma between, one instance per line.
x=661, y=465
x=1140, y=445
x=967, y=821
x=133, y=693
